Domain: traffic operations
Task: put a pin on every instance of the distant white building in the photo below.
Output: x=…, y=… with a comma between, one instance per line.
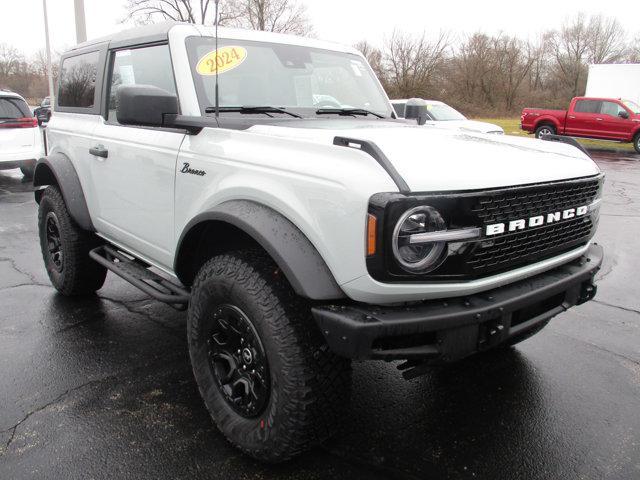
x=614, y=81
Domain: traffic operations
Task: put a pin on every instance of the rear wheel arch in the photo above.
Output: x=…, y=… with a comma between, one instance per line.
x=239, y=224
x=57, y=169
x=545, y=123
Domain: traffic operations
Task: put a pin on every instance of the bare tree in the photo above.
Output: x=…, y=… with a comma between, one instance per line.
x=570, y=49
x=537, y=52
x=413, y=63
x=284, y=16
x=10, y=59
x=633, y=51
x=607, y=40
x=191, y=11
x=512, y=61
x=472, y=70
x=374, y=57
x=39, y=63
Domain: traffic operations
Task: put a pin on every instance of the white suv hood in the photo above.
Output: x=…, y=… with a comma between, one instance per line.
x=433, y=159
x=470, y=125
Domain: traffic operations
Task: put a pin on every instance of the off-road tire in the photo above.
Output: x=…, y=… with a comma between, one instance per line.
x=79, y=275
x=636, y=142
x=310, y=386
x=545, y=130
x=28, y=172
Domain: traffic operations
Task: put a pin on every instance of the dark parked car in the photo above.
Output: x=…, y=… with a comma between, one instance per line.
x=43, y=112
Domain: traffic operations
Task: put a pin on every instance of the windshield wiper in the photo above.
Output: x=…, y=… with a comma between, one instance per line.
x=347, y=111
x=267, y=109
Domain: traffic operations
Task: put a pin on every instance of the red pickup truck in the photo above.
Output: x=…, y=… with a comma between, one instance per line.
x=601, y=118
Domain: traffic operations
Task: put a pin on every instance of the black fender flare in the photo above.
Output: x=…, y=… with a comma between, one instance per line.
x=295, y=255
x=57, y=169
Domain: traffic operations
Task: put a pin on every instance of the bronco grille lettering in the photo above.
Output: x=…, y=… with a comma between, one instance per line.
x=537, y=221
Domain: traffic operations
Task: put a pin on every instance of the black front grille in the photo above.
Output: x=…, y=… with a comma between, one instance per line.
x=539, y=243
x=529, y=201
x=491, y=254
x=535, y=244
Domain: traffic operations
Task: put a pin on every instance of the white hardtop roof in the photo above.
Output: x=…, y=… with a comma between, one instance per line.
x=161, y=31
x=271, y=37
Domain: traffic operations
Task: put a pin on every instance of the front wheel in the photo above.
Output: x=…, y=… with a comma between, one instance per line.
x=544, y=130
x=636, y=142
x=263, y=368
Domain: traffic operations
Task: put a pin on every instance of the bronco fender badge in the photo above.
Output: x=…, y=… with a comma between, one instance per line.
x=186, y=168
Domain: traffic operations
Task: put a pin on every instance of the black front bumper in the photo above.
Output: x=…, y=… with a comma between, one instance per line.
x=448, y=330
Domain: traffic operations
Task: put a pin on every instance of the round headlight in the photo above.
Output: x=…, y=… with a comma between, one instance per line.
x=419, y=257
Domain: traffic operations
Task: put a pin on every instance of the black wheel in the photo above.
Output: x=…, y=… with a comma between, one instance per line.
x=65, y=248
x=636, y=142
x=263, y=369
x=543, y=130
x=27, y=172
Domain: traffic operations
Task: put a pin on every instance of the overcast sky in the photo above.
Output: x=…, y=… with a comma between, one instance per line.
x=344, y=21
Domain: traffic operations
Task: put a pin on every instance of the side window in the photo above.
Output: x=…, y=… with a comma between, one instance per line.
x=78, y=81
x=588, y=106
x=139, y=66
x=611, y=108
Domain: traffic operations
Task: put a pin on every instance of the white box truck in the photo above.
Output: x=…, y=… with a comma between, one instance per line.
x=614, y=81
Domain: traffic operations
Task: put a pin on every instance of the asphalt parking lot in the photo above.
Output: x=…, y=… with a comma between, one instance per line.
x=102, y=387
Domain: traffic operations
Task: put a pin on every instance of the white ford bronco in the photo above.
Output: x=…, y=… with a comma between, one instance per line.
x=263, y=183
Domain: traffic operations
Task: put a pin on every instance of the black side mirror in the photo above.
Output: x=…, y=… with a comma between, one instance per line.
x=623, y=114
x=144, y=105
x=416, y=109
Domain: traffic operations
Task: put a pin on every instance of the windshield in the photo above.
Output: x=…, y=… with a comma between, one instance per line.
x=633, y=106
x=442, y=112
x=300, y=79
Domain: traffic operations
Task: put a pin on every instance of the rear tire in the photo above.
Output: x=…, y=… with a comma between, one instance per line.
x=65, y=248
x=301, y=388
x=543, y=130
x=636, y=142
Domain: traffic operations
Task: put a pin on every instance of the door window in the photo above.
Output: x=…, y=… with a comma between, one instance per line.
x=140, y=66
x=78, y=81
x=588, y=106
x=611, y=108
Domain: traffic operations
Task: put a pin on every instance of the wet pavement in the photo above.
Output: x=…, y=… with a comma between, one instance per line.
x=102, y=388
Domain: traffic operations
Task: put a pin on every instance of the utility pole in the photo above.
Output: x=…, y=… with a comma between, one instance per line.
x=48, y=52
x=81, y=24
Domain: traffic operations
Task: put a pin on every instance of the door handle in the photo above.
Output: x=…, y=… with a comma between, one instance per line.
x=572, y=117
x=599, y=119
x=99, y=151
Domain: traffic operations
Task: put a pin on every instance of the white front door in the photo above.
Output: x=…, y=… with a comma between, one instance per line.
x=134, y=168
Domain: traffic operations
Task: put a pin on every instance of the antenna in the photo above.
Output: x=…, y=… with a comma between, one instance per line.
x=216, y=60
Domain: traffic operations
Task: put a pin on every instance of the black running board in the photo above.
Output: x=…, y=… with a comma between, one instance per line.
x=137, y=273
